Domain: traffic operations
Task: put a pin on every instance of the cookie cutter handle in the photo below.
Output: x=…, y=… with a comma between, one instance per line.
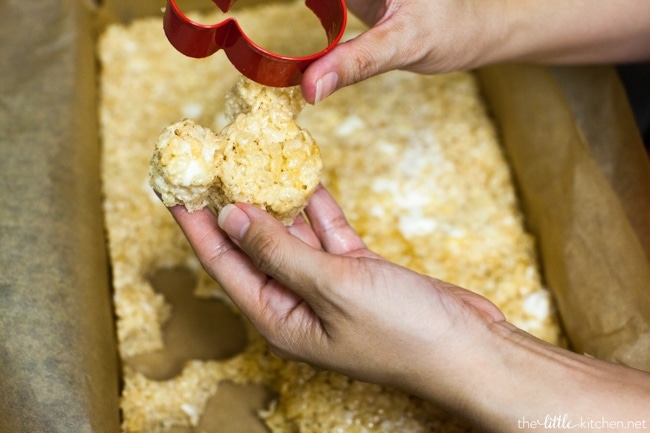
x=202, y=40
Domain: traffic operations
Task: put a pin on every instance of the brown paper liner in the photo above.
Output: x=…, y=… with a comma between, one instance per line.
x=58, y=359
x=583, y=180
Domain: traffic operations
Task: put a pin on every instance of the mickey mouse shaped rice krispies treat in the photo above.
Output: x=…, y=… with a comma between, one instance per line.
x=261, y=157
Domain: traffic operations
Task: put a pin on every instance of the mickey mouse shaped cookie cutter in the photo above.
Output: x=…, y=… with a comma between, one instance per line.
x=202, y=40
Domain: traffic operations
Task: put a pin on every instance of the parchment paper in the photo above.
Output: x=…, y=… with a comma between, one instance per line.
x=583, y=177
x=58, y=362
x=568, y=133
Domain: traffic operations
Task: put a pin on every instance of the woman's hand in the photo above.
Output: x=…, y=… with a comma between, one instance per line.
x=317, y=294
x=434, y=36
x=424, y=36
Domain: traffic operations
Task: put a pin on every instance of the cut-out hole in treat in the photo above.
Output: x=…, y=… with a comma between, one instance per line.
x=235, y=409
x=198, y=329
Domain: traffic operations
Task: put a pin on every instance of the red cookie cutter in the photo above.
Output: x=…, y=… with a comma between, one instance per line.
x=260, y=65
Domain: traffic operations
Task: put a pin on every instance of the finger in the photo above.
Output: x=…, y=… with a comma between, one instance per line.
x=278, y=253
x=220, y=257
x=330, y=225
x=303, y=231
x=395, y=40
x=201, y=230
x=371, y=53
x=266, y=302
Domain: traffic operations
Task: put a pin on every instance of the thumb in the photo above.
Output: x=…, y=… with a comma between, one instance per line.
x=371, y=53
x=275, y=251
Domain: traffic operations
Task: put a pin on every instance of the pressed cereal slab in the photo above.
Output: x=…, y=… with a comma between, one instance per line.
x=413, y=160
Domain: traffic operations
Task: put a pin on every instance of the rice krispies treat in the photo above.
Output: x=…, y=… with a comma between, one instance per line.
x=261, y=157
x=413, y=160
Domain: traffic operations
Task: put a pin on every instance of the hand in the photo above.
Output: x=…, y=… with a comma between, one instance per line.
x=435, y=36
x=422, y=36
x=319, y=295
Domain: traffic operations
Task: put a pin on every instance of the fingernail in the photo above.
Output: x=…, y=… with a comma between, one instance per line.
x=233, y=221
x=325, y=86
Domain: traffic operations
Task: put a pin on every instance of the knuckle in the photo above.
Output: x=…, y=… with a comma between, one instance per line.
x=265, y=252
x=211, y=253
